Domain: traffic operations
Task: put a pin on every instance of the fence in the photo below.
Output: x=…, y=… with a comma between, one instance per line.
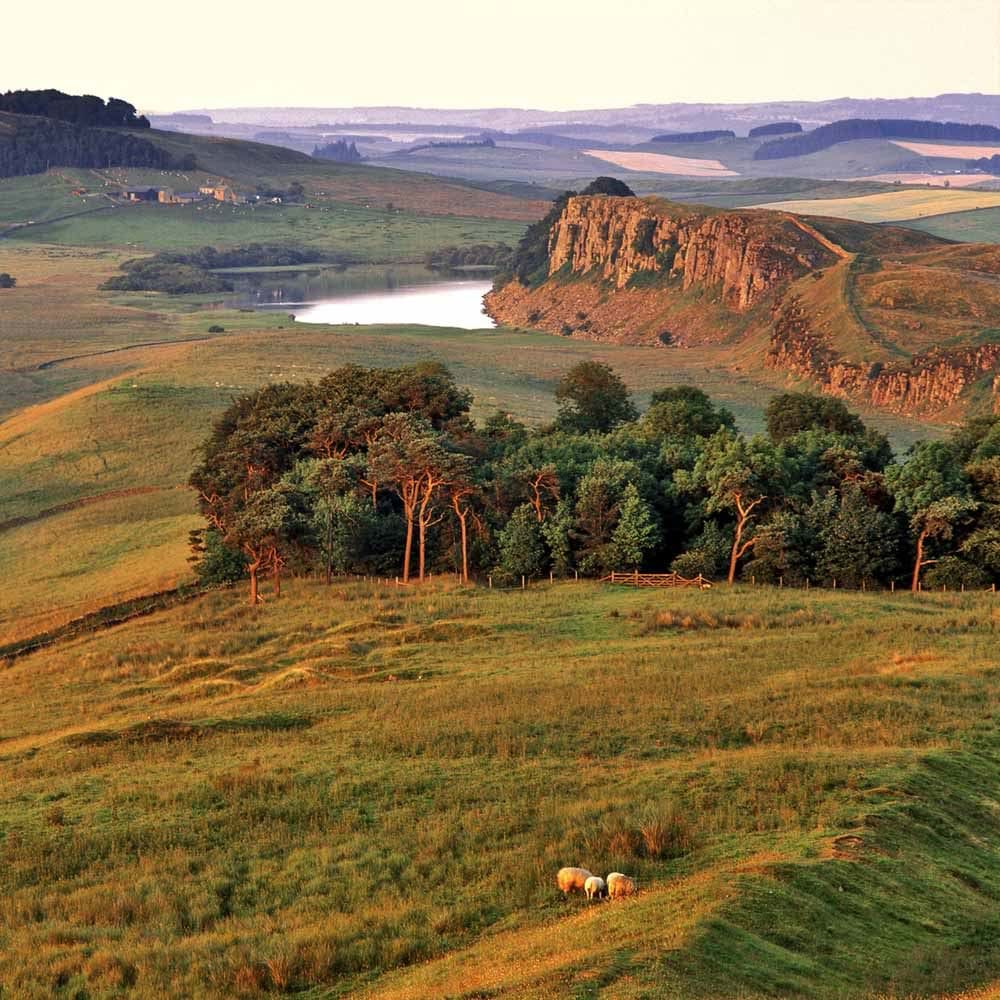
x=636, y=579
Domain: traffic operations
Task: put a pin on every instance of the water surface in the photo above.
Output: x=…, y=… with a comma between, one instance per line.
x=405, y=295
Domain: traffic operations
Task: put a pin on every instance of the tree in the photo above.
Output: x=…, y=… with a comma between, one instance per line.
x=261, y=528
x=636, y=532
x=608, y=186
x=791, y=412
x=858, y=542
x=407, y=457
x=739, y=476
x=931, y=489
x=522, y=552
x=592, y=397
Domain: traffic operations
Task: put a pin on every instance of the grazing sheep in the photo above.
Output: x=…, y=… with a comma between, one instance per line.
x=572, y=880
x=595, y=888
x=620, y=886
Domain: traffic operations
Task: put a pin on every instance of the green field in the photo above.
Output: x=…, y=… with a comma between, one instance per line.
x=365, y=233
x=359, y=791
x=981, y=226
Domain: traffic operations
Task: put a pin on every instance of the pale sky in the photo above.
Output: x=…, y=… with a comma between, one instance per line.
x=551, y=54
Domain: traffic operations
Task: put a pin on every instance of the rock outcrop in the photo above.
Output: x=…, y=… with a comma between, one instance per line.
x=890, y=318
x=742, y=254
x=929, y=383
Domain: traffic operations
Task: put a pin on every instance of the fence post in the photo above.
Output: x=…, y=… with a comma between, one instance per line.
x=551, y=576
x=491, y=582
x=576, y=576
x=892, y=586
x=834, y=583
x=635, y=578
x=807, y=583
x=781, y=582
x=522, y=582
x=863, y=585
x=753, y=580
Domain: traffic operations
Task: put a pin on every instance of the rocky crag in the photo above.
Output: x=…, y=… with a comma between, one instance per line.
x=887, y=317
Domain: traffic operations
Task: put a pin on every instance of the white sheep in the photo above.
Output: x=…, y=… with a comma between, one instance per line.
x=620, y=886
x=572, y=880
x=595, y=888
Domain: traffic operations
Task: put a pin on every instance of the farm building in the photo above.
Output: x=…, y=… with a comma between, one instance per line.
x=220, y=192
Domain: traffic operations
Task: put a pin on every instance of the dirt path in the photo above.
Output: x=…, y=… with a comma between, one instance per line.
x=45, y=365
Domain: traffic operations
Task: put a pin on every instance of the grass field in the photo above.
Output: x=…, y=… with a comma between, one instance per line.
x=969, y=227
x=364, y=233
x=895, y=206
x=358, y=791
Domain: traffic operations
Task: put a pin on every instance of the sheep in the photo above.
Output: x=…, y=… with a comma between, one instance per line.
x=595, y=888
x=572, y=880
x=620, y=886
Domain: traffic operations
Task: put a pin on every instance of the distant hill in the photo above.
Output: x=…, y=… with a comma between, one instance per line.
x=31, y=144
x=878, y=128
x=679, y=117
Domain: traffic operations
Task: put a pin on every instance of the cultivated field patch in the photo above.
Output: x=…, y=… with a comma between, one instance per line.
x=662, y=163
x=893, y=206
x=950, y=151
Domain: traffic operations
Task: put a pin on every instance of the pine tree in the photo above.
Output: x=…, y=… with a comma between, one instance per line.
x=522, y=551
x=636, y=532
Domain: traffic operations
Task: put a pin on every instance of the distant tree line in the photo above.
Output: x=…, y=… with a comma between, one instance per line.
x=34, y=145
x=85, y=110
x=481, y=254
x=382, y=471
x=529, y=264
x=719, y=133
x=191, y=272
x=873, y=128
x=991, y=164
x=774, y=128
x=340, y=151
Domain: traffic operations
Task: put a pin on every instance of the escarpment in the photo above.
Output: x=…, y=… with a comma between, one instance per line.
x=887, y=317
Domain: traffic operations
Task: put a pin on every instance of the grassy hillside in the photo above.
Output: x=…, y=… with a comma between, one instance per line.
x=981, y=226
x=359, y=791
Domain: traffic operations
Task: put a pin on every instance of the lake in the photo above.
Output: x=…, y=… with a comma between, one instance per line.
x=405, y=295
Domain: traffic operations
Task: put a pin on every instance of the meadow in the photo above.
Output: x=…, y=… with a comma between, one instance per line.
x=364, y=791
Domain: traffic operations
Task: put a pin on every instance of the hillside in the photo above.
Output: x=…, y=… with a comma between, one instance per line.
x=361, y=791
x=889, y=317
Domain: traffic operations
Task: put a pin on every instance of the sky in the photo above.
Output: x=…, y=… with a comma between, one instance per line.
x=550, y=54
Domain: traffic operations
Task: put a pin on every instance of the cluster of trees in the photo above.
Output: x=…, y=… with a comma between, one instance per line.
x=191, y=273
x=991, y=164
x=474, y=255
x=529, y=263
x=873, y=128
x=7, y=280
x=383, y=471
x=708, y=136
x=774, y=128
x=34, y=145
x=340, y=151
x=85, y=110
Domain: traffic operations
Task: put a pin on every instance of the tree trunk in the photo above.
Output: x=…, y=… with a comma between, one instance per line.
x=734, y=556
x=409, y=546
x=421, y=540
x=918, y=564
x=465, y=549
x=329, y=548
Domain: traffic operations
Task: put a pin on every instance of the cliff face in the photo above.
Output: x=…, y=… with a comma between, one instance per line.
x=742, y=255
x=930, y=383
x=864, y=323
